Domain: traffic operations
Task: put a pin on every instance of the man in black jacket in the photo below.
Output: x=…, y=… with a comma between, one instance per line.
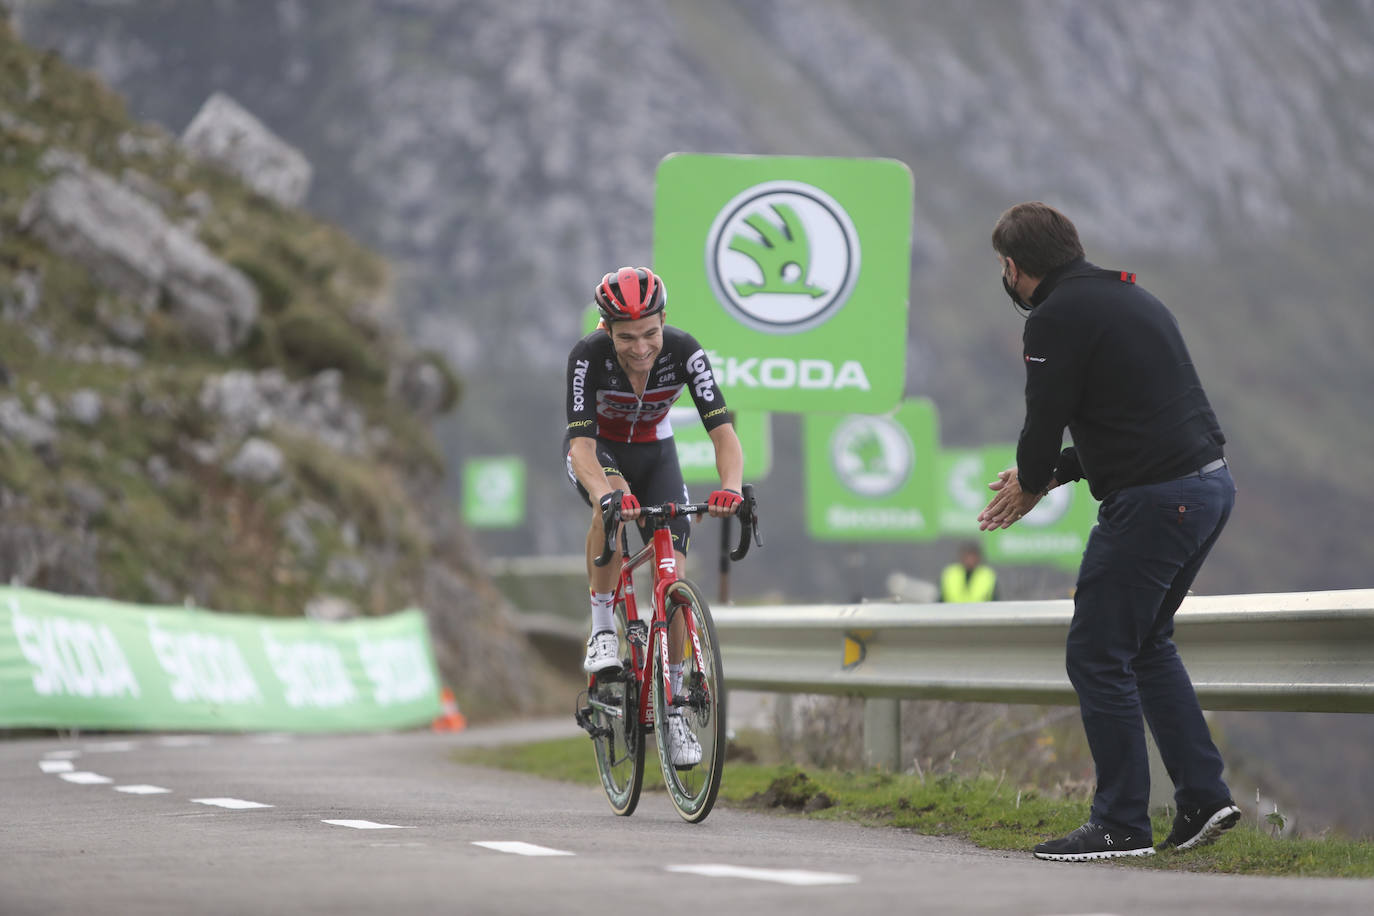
x=1105, y=359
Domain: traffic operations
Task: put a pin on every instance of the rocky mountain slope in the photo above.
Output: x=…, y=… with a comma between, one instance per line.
x=204, y=397
x=502, y=155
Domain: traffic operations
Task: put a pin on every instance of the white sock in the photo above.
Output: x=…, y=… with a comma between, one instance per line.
x=603, y=617
x=675, y=678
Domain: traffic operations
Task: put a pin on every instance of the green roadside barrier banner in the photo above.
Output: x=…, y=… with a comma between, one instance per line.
x=1054, y=533
x=91, y=663
x=793, y=272
x=872, y=477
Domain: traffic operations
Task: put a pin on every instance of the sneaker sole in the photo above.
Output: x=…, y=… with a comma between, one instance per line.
x=1216, y=825
x=1089, y=856
x=612, y=666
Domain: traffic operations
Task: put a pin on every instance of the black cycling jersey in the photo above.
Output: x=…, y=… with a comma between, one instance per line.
x=602, y=403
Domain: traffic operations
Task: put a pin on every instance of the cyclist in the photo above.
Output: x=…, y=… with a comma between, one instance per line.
x=622, y=379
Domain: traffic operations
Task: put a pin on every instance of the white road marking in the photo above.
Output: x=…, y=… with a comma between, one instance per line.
x=229, y=803
x=367, y=825
x=183, y=740
x=62, y=755
x=56, y=766
x=777, y=875
x=520, y=849
x=142, y=789
x=86, y=779
x=109, y=747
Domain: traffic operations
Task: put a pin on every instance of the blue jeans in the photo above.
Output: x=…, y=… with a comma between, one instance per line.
x=1142, y=557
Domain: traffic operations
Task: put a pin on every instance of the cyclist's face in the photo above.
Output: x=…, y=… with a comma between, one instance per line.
x=638, y=342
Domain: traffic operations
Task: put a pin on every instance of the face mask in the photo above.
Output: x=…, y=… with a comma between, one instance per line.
x=1021, y=304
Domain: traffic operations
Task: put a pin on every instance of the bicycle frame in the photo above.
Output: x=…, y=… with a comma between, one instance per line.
x=665, y=575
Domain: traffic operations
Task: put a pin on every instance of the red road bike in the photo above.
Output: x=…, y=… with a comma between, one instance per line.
x=624, y=706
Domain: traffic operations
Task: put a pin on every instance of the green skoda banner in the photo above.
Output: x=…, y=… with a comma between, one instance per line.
x=494, y=492
x=792, y=273
x=872, y=477
x=91, y=663
x=1054, y=533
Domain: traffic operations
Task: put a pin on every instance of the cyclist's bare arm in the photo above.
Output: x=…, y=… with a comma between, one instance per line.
x=729, y=461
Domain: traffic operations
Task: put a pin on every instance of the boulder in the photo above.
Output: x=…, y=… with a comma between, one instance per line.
x=126, y=242
x=225, y=132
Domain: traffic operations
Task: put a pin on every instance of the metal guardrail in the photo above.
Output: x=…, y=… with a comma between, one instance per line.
x=1301, y=651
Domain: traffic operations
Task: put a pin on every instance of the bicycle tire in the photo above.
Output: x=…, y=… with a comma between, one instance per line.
x=693, y=790
x=620, y=756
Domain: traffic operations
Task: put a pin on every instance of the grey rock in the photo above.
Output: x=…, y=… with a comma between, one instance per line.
x=43, y=406
x=19, y=425
x=126, y=242
x=225, y=132
x=330, y=607
x=159, y=470
x=85, y=406
x=247, y=402
x=86, y=498
x=258, y=460
x=344, y=569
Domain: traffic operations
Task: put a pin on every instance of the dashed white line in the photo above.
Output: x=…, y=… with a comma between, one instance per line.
x=142, y=789
x=81, y=777
x=367, y=825
x=62, y=755
x=229, y=803
x=56, y=766
x=520, y=849
x=776, y=875
x=183, y=741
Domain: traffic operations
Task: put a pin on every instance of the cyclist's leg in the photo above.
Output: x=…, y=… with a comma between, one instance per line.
x=661, y=483
x=601, y=653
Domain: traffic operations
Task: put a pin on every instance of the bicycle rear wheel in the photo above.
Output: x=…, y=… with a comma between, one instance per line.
x=693, y=789
x=620, y=750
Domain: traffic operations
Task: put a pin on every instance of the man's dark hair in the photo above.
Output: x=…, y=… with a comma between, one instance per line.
x=1037, y=237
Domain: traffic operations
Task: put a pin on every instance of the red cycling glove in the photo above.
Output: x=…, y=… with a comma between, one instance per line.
x=724, y=499
x=627, y=501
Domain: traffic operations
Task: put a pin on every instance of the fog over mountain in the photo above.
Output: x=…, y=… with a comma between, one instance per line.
x=502, y=154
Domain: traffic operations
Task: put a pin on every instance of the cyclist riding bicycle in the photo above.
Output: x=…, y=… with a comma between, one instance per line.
x=622, y=379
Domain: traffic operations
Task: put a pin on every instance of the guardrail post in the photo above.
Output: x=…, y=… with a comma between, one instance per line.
x=883, y=733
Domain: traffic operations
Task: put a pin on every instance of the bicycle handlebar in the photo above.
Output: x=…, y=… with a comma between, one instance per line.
x=747, y=513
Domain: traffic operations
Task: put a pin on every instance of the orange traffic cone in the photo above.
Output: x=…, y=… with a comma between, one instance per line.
x=452, y=720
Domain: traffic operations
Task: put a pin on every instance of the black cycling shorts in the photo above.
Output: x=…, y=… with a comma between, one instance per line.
x=653, y=473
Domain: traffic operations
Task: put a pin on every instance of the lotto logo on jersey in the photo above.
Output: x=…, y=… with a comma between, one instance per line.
x=703, y=382
x=783, y=256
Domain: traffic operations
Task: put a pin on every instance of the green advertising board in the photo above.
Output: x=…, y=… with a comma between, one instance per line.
x=792, y=272
x=872, y=477
x=494, y=492
x=1054, y=533
x=93, y=663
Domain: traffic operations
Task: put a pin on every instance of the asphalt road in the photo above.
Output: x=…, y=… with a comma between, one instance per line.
x=243, y=825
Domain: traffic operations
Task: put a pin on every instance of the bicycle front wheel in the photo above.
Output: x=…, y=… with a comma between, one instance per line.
x=700, y=702
x=620, y=740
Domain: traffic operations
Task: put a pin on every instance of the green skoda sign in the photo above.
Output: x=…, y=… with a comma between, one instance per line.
x=1055, y=532
x=792, y=272
x=872, y=477
x=494, y=492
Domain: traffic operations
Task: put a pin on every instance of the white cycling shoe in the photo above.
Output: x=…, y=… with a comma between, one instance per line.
x=603, y=652
x=683, y=748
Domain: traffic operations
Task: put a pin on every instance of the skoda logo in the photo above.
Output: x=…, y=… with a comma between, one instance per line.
x=873, y=456
x=968, y=490
x=782, y=257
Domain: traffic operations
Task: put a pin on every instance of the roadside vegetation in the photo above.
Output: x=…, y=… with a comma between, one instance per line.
x=981, y=807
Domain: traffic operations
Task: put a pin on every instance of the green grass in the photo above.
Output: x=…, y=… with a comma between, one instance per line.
x=982, y=809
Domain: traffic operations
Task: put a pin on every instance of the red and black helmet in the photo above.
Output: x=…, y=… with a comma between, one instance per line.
x=630, y=293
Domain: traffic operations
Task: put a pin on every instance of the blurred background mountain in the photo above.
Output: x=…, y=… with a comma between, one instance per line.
x=501, y=155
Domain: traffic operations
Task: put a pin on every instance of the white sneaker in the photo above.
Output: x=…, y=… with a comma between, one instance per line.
x=603, y=651
x=683, y=748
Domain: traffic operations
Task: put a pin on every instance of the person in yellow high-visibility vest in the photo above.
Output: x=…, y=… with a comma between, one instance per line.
x=970, y=579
